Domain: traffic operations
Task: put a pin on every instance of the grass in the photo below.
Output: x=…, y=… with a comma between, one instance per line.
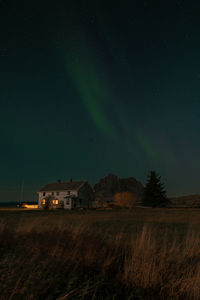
x=138, y=254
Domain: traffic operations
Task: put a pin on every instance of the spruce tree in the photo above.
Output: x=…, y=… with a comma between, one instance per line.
x=154, y=192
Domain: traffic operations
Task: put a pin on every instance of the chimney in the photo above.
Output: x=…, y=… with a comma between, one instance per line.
x=59, y=181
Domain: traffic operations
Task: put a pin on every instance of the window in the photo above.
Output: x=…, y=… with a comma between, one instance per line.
x=52, y=193
x=57, y=193
x=55, y=201
x=43, y=201
x=68, y=193
x=67, y=202
x=44, y=193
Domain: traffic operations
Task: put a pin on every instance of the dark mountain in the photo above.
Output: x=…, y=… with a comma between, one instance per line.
x=111, y=184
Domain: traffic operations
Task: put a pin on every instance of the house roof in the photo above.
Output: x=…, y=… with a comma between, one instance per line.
x=62, y=186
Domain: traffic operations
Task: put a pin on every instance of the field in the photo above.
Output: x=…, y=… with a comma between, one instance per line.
x=122, y=254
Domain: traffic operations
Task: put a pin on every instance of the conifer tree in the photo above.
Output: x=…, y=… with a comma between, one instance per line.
x=154, y=192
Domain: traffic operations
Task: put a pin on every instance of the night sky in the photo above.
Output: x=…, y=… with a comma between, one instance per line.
x=96, y=87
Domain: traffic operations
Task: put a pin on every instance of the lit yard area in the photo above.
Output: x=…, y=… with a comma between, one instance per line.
x=119, y=254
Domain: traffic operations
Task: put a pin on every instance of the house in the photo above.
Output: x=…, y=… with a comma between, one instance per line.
x=67, y=195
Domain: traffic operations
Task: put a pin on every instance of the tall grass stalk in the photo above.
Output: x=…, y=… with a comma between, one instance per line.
x=46, y=260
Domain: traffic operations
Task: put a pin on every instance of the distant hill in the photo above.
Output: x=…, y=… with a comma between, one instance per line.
x=186, y=201
x=108, y=186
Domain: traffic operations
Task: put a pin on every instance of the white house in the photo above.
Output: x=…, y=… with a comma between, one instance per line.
x=67, y=195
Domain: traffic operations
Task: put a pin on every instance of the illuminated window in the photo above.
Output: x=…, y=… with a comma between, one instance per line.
x=55, y=201
x=43, y=201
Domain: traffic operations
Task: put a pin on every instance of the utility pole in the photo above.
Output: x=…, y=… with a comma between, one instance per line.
x=21, y=193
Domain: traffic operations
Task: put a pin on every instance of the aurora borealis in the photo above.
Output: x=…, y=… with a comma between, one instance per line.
x=95, y=87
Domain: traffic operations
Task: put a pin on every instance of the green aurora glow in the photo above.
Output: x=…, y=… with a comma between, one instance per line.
x=94, y=92
x=92, y=89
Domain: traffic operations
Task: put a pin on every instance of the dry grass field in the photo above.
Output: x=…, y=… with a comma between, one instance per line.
x=122, y=254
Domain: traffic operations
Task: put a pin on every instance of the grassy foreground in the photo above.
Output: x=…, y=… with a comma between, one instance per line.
x=138, y=254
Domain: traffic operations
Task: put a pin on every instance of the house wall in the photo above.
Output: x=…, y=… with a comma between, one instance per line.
x=85, y=196
x=55, y=196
